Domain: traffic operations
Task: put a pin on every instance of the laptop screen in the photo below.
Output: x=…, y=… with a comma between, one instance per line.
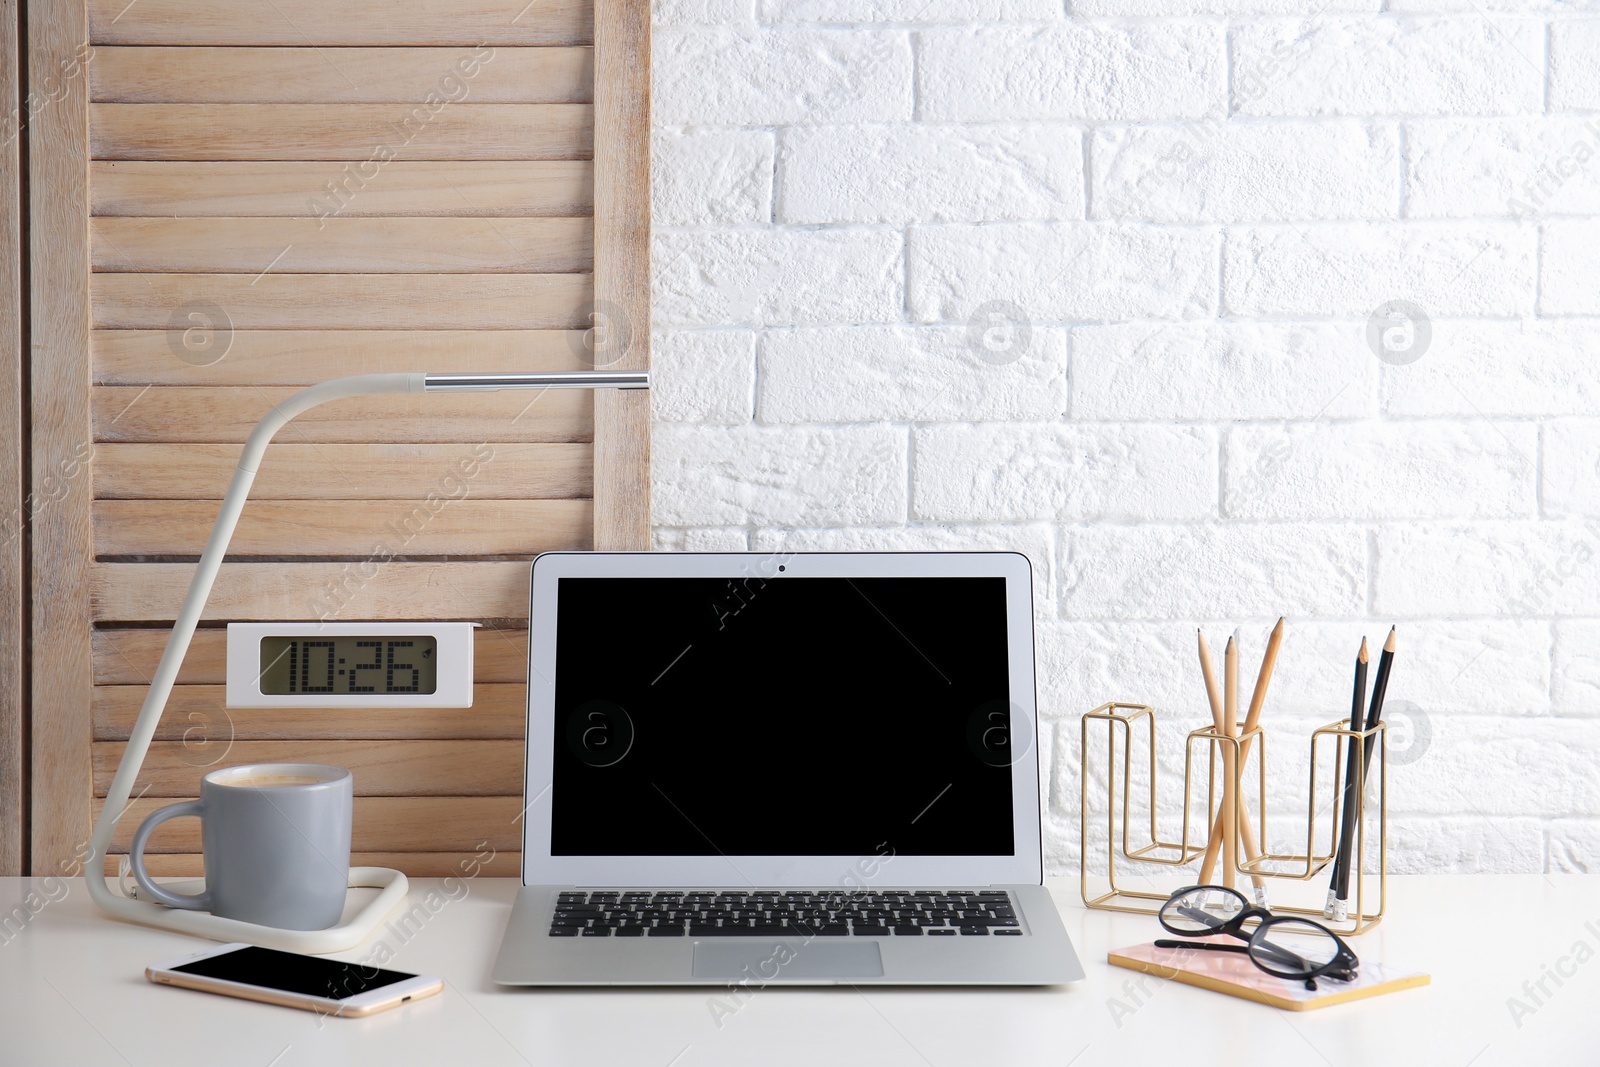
x=799, y=716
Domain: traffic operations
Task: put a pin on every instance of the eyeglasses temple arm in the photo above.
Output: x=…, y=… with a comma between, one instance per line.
x=1209, y=946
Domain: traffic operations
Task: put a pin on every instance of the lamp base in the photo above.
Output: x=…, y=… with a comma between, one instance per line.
x=391, y=886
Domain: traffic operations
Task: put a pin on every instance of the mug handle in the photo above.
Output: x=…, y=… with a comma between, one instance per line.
x=194, y=901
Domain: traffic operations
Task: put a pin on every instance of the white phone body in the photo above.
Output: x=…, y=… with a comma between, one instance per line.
x=413, y=987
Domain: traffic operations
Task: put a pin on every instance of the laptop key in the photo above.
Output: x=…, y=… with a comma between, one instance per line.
x=975, y=930
x=597, y=931
x=565, y=931
x=941, y=931
x=674, y=930
x=913, y=931
x=1010, y=933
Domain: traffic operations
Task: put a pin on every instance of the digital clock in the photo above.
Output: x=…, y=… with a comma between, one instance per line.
x=350, y=664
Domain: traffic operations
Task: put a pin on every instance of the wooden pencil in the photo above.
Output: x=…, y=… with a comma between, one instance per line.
x=1269, y=662
x=1208, y=865
x=1258, y=700
x=1230, y=763
x=1258, y=697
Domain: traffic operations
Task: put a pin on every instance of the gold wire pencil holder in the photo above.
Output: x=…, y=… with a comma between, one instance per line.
x=1154, y=853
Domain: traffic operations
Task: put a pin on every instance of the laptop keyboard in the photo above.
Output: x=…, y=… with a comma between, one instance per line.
x=893, y=913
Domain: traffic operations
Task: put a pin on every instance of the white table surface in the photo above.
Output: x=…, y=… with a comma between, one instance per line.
x=72, y=991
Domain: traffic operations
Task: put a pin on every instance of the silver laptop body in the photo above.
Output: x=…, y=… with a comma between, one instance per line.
x=782, y=769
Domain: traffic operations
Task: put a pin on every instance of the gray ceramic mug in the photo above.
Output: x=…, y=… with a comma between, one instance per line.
x=276, y=838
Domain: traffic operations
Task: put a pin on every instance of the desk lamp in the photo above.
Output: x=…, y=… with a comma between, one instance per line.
x=391, y=884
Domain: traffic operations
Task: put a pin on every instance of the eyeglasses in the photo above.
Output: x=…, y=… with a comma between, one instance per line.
x=1284, y=946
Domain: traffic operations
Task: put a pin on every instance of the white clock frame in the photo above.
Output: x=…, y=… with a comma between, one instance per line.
x=453, y=688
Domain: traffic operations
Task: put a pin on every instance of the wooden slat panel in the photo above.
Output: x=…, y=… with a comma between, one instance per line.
x=170, y=413
x=622, y=269
x=343, y=246
x=414, y=864
x=236, y=189
x=13, y=435
x=346, y=301
x=348, y=75
x=319, y=472
x=60, y=547
x=285, y=529
x=303, y=357
x=196, y=714
x=341, y=131
x=468, y=591
x=350, y=22
x=395, y=824
x=129, y=657
x=381, y=768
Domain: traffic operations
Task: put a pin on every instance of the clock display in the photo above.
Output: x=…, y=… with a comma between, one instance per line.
x=348, y=664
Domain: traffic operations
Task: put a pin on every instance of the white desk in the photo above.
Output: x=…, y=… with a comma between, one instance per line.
x=72, y=991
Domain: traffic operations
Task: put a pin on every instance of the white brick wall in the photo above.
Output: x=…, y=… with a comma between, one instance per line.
x=1100, y=281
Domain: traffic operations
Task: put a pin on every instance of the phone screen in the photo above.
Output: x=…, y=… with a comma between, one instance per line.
x=293, y=973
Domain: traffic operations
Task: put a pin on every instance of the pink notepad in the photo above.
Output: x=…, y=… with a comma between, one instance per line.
x=1233, y=973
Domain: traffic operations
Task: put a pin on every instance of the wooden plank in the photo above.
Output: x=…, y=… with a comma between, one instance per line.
x=306, y=357
x=393, y=824
x=381, y=768
x=13, y=435
x=622, y=270
x=424, y=188
x=60, y=547
x=349, y=75
x=351, y=22
x=197, y=715
x=468, y=591
x=317, y=472
x=204, y=413
x=343, y=246
x=367, y=133
x=461, y=865
x=344, y=301
x=125, y=657
x=444, y=526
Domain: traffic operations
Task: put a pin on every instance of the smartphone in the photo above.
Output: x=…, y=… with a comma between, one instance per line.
x=328, y=987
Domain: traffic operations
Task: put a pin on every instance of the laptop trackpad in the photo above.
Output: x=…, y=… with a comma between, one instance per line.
x=775, y=961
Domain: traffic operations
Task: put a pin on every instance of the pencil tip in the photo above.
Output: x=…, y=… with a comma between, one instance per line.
x=1388, y=646
x=1363, y=656
x=1278, y=628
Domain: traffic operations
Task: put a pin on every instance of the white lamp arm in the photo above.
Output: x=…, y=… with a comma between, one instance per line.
x=392, y=883
x=194, y=603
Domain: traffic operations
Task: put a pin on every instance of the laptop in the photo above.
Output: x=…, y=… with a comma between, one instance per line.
x=782, y=769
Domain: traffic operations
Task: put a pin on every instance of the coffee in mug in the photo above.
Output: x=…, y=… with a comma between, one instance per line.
x=276, y=844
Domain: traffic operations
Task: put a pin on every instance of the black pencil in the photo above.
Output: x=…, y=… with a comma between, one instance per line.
x=1380, y=686
x=1339, y=884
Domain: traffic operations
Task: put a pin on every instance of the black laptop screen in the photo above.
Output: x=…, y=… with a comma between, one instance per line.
x=805, y=716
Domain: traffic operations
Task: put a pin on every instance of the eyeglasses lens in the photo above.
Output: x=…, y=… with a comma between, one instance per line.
x=1201, y=909
x=1292, y=948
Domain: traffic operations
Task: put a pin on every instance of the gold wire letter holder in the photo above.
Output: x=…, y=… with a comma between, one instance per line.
x=1149, y=854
